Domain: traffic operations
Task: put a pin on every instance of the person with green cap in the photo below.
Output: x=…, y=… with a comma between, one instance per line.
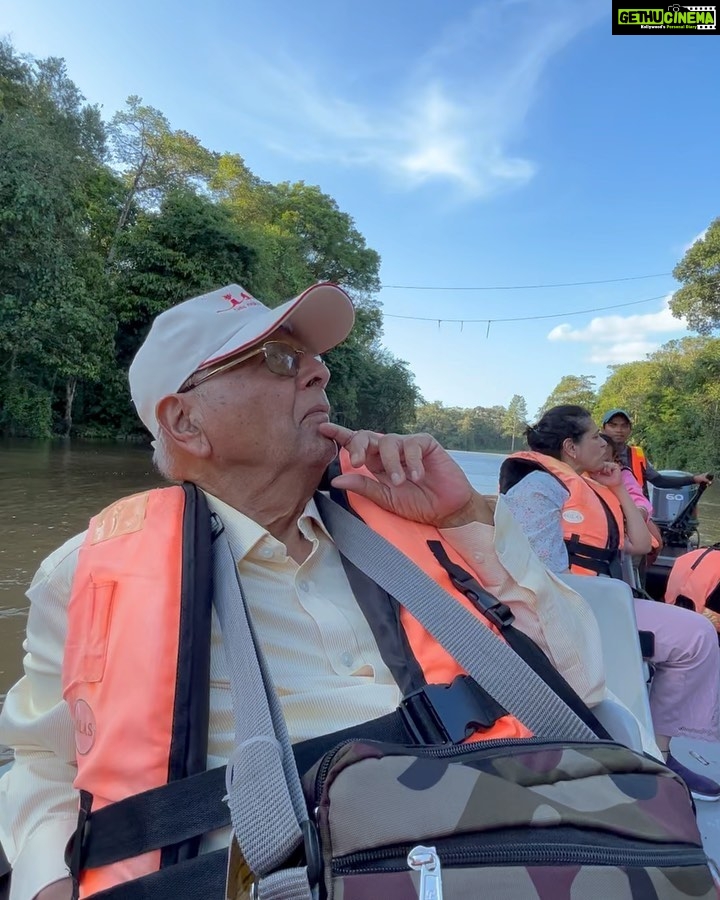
x=617, y=424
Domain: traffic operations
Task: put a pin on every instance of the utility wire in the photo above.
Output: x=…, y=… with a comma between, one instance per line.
x=575, y=312
x=489, y=322
x=519, y=287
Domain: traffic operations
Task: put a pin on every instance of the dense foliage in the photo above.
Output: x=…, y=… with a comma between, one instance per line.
x=102, y=226
x=673, y=397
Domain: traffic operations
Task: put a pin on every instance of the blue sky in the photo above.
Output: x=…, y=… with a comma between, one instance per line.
x=502, y=142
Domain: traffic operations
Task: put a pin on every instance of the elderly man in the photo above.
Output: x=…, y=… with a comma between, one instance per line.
x=234, y=395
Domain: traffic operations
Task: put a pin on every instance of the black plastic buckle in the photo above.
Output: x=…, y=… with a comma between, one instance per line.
x=449, y=713
x=647, y=644
x=313, y=856
x=76, y=848
x=493, y=610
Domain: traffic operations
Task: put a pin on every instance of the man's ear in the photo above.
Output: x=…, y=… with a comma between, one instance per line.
x=177, y=418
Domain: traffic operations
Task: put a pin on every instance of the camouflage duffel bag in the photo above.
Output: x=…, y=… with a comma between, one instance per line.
x=504, y=820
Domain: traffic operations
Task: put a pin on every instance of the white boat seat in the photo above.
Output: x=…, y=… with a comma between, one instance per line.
x=621, y=724
x=612, y=603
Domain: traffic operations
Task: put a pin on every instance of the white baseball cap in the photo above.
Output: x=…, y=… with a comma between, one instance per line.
x=204, y=330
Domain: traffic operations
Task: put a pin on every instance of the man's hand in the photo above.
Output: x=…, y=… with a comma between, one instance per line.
x=58, y=890
x=416, y=477
x=705, y=478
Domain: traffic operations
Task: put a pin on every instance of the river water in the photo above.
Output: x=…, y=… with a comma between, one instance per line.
x=48, y=491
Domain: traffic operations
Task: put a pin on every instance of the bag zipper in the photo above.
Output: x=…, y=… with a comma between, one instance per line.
x=426, y=861
x=391, y=859
x=444, y=750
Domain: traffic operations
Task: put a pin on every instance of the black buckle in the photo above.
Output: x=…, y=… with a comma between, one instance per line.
x=449, y=713
x=647, y=644
x=75, y=849
x=494, y=611
x=313, y=857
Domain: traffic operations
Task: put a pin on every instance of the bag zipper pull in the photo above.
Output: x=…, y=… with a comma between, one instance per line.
x=426, y=861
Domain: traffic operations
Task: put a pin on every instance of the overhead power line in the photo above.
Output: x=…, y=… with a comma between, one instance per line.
x=520, y=287
x=575, y=312
x=489, y=322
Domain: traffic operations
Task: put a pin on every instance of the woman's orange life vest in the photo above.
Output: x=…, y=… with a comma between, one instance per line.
x=131, y=656
x=696, y=576
x=592, y=520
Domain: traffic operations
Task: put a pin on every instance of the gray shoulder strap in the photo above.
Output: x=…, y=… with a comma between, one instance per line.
x=483, y=655
x=267, y=806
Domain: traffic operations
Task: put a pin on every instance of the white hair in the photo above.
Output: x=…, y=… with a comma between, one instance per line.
x=163, y=459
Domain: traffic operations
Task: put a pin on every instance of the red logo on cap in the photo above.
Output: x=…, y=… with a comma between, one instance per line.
x=244, y=301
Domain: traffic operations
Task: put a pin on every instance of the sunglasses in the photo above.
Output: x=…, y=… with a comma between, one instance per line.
x=280, y=358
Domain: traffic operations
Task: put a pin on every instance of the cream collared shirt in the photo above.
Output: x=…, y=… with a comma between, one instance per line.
x=320, y=650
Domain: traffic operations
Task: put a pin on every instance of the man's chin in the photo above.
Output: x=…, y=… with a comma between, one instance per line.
x=321, y=452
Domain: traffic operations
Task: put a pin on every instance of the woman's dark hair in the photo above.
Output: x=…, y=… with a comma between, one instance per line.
x=558, y=424
x=612, y=444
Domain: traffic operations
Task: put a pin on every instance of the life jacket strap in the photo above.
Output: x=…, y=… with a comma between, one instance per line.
x=501, y=616
x=596, y=559
x=201, y=878
x=190, y=807
x=159, y=817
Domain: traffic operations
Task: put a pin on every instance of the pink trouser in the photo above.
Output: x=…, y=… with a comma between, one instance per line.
x=684, y=691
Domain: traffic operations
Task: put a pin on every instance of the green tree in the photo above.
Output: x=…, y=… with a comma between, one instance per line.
x=53, y=331
x=572, y=389
x=627, y=387
x=515, y=418
x=153, y=158
x=699, y=273
x=478, y=428
x=369, y=387
x=299, y=233
x=674, y=402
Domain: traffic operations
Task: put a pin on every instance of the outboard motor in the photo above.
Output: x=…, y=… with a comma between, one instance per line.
x=668, y=503
x=675, y=514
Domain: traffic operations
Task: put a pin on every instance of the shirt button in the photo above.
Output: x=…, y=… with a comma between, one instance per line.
x=304, y=586
x=480, y=557
x=266, y=552
x=346, y=659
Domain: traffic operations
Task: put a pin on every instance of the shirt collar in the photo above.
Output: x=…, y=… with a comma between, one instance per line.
x=244, y=533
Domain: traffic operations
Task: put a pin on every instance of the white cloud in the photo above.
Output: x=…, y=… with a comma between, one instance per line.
x=620, y=339
x=614, y=354
x=451, y=116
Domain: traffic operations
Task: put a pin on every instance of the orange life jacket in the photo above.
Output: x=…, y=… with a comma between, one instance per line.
x=136, y=648
x=638, y=466
x=592, y=521
x=136, y=666
x=696, y=576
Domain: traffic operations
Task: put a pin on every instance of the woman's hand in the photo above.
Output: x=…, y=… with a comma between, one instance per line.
x=609, y=474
